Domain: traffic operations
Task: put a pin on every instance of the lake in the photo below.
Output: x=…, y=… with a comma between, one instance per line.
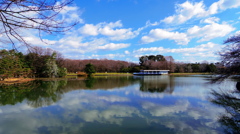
x=113, y=105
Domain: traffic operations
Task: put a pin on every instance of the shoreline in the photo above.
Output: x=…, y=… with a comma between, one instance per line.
x=22, y=80
x=131, y=74
x=190, y=74
x=16, y=80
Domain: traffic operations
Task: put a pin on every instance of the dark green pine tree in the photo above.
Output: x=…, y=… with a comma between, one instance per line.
x=89, y=69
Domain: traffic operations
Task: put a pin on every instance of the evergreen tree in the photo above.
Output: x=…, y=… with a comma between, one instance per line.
x=89, y=69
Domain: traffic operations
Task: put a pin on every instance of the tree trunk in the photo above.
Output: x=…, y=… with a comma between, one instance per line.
x=238, y=86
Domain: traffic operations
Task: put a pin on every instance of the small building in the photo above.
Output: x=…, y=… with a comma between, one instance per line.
x=151, y=72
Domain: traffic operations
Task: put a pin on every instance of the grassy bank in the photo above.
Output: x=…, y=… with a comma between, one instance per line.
x=16, y=80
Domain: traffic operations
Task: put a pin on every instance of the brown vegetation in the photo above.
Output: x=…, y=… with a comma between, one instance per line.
x=103, y=65
x=16, y=80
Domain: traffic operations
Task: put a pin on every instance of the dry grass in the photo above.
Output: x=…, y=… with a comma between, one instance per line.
x=16, y=80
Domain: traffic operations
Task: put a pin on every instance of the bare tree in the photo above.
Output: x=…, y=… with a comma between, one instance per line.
x=40, y=15
x=230, y=56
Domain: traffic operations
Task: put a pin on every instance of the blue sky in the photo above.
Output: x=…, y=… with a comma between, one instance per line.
x=189, y=31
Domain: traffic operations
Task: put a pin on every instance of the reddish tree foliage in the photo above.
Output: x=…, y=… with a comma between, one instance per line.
x=103, y=65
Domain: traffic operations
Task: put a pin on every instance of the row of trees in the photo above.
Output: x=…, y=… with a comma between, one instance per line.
x=145, y=62
x=168, y=63
x=103, y=65
x=41, y=62
x=195, y=67
x=157, y=62
x=33, y=64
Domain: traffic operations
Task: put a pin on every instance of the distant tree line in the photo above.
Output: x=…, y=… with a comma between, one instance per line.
x=153, y=62
x=167, y=63
x=195, y=67
x=102, y=65
x=158, y=62
x=40, y=62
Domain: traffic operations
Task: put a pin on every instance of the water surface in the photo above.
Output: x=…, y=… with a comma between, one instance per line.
x=121, y=105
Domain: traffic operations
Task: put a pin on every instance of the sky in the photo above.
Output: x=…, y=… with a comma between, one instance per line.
x=187, y=30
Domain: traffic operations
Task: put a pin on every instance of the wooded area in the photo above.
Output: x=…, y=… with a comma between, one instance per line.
x=37, y=63
x=40, y=62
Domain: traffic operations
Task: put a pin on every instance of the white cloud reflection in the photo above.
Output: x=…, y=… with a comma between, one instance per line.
x=76, y=109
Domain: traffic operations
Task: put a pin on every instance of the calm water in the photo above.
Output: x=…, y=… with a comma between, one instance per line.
x=112, y=105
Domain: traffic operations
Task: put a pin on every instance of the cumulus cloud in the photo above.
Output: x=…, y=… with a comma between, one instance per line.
x=113, y=98
x=126, y=52
x=112, y=115
x=31, y=39
x=89, y=29
x=226, y=4
x=189, y=10
x=71, y=14
x=112, y=30
x=186, y=11
x=107, y=56
x=203, y=50
x=210, y=31
x=77, y=44
x=160, y=34
x=159, y=110
x=113, y=46
x=211, y=20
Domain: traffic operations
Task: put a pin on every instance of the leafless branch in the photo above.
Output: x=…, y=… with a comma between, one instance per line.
x=41, y=15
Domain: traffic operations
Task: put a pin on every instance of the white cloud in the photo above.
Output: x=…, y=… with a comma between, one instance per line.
x=186, y=11
x=159, y=110
x=126, y=52
x=117, y=34
x=112, y=115
x=160, y=34
x=89, y=29
x=70, y=14
x=189, y=10
x=211, y=20
x=113, y=46
x=33, y=40
x=113, y=98
x=112, y=30
x=204, y=50
x=226, y=4
x=107, y=56
x=77, y=44
x=210, y=31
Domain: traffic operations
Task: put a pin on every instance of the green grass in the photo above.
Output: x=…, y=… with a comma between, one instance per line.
x=71, y=74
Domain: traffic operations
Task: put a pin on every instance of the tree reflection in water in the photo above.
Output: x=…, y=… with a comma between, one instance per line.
x=230, y=100
x=44, y=93
x=89, y=82
x=36, y=93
